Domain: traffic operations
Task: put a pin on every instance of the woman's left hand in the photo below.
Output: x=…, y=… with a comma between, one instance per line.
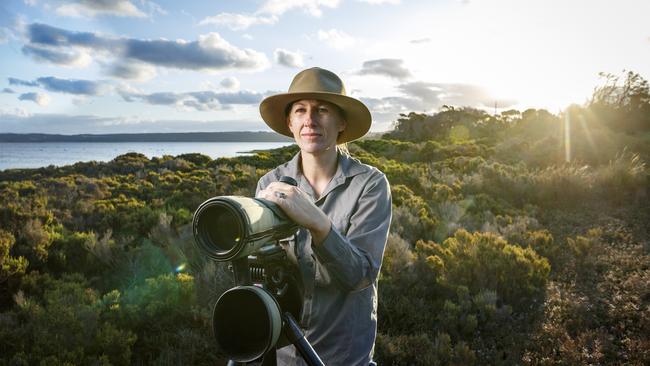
x=299, y=208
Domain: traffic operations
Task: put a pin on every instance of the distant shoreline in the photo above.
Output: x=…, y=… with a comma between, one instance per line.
x=236, y=136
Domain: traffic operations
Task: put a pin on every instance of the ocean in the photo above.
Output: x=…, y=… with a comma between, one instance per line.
x=42, y=154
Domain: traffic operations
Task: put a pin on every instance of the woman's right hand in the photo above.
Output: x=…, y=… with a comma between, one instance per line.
x=298, y=207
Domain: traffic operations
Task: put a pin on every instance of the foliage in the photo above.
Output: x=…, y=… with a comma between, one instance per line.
x=516, y=238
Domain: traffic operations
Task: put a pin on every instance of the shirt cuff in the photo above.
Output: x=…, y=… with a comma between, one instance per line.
x=332, y=249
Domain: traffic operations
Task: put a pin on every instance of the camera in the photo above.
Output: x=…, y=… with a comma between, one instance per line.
x=257, y=316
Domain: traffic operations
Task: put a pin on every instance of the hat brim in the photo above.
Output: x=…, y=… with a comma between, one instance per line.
x=357, y=115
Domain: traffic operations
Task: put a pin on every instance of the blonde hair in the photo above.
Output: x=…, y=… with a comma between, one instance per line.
x=343, y=149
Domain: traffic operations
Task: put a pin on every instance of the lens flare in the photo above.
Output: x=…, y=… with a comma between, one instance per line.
x=180, y=268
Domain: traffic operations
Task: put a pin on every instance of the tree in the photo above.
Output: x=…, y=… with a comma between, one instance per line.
x=624, y=104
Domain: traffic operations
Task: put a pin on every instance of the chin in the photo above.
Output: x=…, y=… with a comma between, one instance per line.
x=316, y=148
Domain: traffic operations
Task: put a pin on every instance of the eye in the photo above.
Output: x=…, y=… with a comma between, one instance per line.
x=299, y=110
x=323, y=109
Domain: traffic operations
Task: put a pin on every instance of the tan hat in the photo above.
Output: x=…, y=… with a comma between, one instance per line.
x=321, y=84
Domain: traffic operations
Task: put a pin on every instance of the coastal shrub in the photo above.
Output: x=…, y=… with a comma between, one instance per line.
x=413, y=218
x=10, y=266
x=62, y=322
x=482, y=261
x=625, y=176
x=421, y=349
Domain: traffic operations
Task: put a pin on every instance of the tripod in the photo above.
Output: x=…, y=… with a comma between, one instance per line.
x=269, y=272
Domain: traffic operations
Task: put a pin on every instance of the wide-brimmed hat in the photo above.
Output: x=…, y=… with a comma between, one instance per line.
x=321, y=84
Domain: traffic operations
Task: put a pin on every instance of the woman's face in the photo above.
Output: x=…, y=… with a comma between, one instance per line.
x=315, y=124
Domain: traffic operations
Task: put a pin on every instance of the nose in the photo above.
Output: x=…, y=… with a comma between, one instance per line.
x=310, y=118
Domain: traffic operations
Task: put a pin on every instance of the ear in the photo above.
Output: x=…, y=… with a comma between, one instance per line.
x=343, y=125
x=289, y=124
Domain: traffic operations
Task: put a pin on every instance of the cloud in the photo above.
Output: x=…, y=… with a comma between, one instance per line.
x=312, y=7
x=92, y=8
x=390, y=67
x=68, y=86
x=287, y=58
x=56, y=56
x=380, y=2
x=436, y=94
x=38, y=98
x=8, y=91
x=427, y=97
x=420, y=40
x=336, y=39
x=230, y=83
x=73, y=86
x=238, y=21
x=20, y=82
x=21, y=121
x=132, y=71
x=268, y=13
x=5, y=35
x=200, y=100
x=210, y=52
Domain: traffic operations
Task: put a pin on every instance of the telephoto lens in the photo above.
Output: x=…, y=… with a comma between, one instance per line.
x=232, y=227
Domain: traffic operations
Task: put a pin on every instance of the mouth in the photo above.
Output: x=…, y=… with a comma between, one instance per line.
x=310, y=135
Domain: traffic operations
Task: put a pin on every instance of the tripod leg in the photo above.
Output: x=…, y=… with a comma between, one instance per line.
x=294, y=335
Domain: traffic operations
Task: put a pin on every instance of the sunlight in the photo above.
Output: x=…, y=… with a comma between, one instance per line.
x=567, y=137
x=587, y=131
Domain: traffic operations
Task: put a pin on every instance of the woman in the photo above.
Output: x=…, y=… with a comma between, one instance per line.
x=344, y=208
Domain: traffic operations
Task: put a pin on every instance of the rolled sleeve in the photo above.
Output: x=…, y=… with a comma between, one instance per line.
x=354, y=259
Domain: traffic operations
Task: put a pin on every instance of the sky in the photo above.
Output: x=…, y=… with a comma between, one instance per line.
x=138, y=66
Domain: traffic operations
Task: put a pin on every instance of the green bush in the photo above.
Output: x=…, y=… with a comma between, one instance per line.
x=483, y=261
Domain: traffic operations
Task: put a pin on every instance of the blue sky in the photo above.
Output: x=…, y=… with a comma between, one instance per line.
x=120, y=66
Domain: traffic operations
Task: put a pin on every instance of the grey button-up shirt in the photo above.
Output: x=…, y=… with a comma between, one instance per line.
x=340, y=275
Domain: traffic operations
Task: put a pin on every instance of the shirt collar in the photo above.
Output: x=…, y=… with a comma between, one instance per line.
x=347, y=167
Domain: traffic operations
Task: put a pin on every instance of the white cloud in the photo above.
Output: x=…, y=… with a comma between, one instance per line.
x=268, y=13
x=199, y=100
x=230, y=83
x=380, y=2
x=92, y=8
x=390, y=67
x=312, y=7
x=74, y=86
x=136, y=71
x=420, y=40
x=288, y=58
x=20, y=120
x=15, y=113
x=58, y=56
x=41, y=99
x=336, y=39
x=210, y=52
x=238, y=21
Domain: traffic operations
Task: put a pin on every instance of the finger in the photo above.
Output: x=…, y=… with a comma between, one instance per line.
x=282, y=186
x=272, y=195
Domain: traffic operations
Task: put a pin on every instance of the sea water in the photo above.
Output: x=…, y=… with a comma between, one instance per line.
x=42, y=154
